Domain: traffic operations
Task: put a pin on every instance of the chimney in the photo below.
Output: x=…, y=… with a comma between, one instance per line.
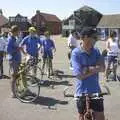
x=1, y=13
x=37, y=11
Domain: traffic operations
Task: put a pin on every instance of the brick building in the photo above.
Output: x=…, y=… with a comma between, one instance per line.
x=44, y=21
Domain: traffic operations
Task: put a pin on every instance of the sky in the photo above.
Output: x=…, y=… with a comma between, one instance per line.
x=61, y=8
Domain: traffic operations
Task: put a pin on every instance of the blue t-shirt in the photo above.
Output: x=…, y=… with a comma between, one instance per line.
x=80, y=61
x=14, y=53
x=32, y=45
x=48, y=45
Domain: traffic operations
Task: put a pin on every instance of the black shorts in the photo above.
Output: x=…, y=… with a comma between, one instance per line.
x=95, y=104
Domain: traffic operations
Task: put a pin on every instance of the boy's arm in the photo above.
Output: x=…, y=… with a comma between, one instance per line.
x=11, y=48
x=78, y=71
x=22, y=46
x=53, y=46
x=100, y=64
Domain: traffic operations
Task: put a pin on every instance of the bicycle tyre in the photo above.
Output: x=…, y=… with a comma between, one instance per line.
x=22, y=95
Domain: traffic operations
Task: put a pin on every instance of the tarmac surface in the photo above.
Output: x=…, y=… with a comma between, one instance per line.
x=51, y=104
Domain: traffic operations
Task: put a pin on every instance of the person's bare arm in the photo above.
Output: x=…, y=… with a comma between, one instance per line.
x=108, y=45
x=85, y=75
x=100, y=67
x=23, y=51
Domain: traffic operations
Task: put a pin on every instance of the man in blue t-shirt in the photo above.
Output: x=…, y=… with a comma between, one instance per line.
x=48, y=48
x=14, y=54
x=32, y=43
x=87, y=62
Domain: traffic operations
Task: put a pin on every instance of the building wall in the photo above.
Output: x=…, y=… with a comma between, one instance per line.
x=39, y=22
x=56, y=28
x=42, y=25
x=105, y=32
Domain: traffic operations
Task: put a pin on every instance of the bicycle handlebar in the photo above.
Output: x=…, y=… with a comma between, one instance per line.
x=91, y=95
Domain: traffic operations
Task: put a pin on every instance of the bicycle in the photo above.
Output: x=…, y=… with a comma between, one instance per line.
x=88, y=113
x=26, y=87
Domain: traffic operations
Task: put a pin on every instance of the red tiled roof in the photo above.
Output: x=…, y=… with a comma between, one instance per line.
x=3, y=20
x=49, y=17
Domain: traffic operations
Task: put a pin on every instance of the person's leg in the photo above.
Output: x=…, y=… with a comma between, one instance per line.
x=114, y=69
x=48, y=66
x=72, y=48
x=81, y=104
x=1, y=71
x=35, y=65
x=99, y=116
x=98, y=107
x=107, y=72
x=51, y=65
x=14, y=70
x=80, y=117
x=2, y=67
x=43, y=66
x=1, y=63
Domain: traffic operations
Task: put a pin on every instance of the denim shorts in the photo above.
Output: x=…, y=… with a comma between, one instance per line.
x=14, y=67
x=112, y=59
x=95, y=104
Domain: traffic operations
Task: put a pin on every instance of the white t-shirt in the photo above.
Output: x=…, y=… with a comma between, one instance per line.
x=2, y=44
x=113, y=51
x=72, y=41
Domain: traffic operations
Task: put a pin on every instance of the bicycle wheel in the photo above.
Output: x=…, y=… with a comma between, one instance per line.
x=24, y=90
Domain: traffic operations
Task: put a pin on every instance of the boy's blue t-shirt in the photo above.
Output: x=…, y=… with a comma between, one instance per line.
x=32, y=45
x=48, y=45
x=80, y=61
x=14, y=53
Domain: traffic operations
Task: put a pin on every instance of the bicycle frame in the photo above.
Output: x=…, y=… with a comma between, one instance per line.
x=88, y=111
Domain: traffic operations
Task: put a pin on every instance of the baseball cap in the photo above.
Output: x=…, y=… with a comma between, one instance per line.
x=89, y=32
x=32, y=29
x=47, y=33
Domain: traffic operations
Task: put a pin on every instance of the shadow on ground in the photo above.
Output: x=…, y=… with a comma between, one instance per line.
x=48, y=83
x=4, y=77
x=49, y=101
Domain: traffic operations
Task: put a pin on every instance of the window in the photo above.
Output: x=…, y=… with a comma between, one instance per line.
x=12, y=19
x=24, y=19
x=17, y=19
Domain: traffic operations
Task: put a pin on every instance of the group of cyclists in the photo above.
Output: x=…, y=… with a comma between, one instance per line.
x=86, y=61
x=29, y=46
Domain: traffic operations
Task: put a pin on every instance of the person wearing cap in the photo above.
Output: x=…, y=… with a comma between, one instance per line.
x=14, y=54
x=2, y=51
x=48, y=49
x=87, y=62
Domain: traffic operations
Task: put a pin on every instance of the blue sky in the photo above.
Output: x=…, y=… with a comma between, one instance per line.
x=61, y=8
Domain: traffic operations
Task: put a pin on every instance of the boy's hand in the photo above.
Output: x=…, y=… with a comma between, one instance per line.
x=94, y=69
